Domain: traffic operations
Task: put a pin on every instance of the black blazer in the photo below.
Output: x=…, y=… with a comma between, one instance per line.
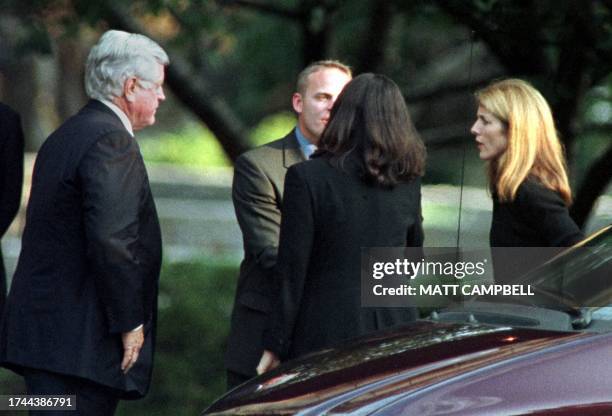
x=90, y=259
x=329, y=215
x=11, y=178
x=538, y=217
x=257, y=193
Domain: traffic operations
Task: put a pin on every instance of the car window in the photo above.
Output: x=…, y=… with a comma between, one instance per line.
x=582, y=275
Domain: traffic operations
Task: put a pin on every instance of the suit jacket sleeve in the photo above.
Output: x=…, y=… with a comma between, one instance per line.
x=544, y=211
x=295, y=247
x=257, y=210
x=113, y=180
x=11, y=169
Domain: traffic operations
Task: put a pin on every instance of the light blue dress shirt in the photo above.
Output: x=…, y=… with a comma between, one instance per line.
x=307, y=147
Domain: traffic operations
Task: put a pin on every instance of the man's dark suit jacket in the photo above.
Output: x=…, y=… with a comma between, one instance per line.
x=90, y=259
x=257, y=192
x=329, y=215
x=11, y=178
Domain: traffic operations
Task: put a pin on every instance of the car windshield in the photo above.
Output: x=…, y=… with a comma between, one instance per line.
x=572, y=291
x=579, y=277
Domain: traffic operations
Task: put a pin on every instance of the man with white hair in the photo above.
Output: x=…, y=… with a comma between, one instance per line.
x=81, y=312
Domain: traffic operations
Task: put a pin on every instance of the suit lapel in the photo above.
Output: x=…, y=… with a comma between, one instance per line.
x=292, y=153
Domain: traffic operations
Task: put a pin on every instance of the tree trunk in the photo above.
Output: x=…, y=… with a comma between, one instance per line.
x=372, y=52
x=70, y=63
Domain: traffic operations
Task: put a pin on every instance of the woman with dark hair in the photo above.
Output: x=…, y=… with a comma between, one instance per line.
x=361, y=189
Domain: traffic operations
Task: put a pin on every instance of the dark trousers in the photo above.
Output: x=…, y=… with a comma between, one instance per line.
x=235, y=379
x=92, y=399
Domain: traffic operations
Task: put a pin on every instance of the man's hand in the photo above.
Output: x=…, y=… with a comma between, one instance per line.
x=268, y=361
x=132, y=343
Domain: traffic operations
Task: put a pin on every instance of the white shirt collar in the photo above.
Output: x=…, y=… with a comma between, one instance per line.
x=122, y=116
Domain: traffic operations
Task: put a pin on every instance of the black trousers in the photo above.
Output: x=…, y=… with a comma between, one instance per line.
x=91, y=398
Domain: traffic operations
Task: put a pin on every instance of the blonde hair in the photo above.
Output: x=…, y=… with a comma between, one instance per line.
x=534, y=149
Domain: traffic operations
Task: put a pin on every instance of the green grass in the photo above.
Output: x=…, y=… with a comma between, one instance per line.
x=195, y=146
x=273, y=127
x=11, y=383
x=194, y=315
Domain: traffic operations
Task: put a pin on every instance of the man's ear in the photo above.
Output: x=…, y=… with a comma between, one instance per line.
x=297, y=102
x=129, y=89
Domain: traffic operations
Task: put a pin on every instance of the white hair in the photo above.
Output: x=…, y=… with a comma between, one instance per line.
x=118, y=56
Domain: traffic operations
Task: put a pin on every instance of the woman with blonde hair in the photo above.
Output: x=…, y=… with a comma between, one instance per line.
x=516, y=136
